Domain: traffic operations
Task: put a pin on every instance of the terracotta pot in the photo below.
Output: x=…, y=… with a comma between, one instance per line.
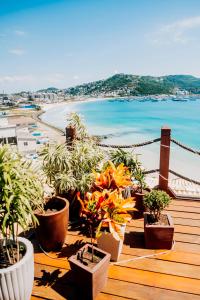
x=74, y=205
x=108, y=243
x=52, y=229
x=139, y=205
x=158, y=236
x=90, y=280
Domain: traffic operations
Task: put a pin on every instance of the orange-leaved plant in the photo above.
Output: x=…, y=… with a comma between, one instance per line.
x=106, y=210
x=113, y=178
x=115, y=213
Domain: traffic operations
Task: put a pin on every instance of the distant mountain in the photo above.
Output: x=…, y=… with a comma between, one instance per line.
x=48, y=90
x=134, y=85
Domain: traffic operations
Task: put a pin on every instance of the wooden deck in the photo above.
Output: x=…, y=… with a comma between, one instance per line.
x=175, y=275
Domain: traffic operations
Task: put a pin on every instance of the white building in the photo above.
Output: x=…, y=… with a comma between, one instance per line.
x=9, y=134
x=26, y=144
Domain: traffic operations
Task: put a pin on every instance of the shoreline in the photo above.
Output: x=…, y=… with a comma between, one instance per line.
x=181, y=161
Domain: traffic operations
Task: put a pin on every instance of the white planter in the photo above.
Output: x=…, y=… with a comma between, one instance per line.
x=16, y=281
x=108, y=243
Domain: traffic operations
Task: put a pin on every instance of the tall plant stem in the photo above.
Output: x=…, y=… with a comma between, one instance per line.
x=91, y=235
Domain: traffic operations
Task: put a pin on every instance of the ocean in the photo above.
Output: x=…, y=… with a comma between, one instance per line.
x=133, y=121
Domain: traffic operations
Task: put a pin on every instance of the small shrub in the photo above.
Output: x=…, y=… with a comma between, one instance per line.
x=155, y=202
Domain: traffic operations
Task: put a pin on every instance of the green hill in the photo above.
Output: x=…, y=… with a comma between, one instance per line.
x=134, y=85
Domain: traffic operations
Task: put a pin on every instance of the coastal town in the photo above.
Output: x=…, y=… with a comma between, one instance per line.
x=20, y=122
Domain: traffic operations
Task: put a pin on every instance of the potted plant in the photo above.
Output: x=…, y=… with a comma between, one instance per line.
x=111, y=230
x=139, y=192
x=52, y=226
x=109, y=208
x=129, y=160
x=158, y=227
x=69, y=169
x=90, y=264
x=20, y=193
x=111, y=177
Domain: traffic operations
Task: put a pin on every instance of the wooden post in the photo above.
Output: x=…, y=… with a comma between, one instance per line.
x=164, y=158
x=70, y=135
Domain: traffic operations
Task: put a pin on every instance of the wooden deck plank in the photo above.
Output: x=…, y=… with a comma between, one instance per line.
x=159, y=280
x=186, y=222
x=174, y=275
x=155, y=279
x=190, y=203
x=161, y=266
x=184, y=215
x=142, y=292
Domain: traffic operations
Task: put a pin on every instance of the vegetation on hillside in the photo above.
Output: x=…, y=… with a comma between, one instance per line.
x=134, y=85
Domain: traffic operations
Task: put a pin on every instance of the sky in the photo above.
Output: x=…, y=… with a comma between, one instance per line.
x=63, y=43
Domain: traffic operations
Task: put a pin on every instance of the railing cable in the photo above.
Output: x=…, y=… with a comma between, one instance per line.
x=185, y=147
x=184, y=177
x=129, y=146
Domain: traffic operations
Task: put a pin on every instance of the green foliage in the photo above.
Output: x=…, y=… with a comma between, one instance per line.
x=70, y=169
x=129, y=159
x=20, y=192
x=140, y=177
x=76, y=121
x=133, y=85
x=155, y=202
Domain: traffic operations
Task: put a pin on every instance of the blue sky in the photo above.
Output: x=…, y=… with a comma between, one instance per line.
x=63, y=43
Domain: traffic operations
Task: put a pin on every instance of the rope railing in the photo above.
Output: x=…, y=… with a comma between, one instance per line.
x=129, y=146
x=184, y=177
x=151, y=171
x=185, y=147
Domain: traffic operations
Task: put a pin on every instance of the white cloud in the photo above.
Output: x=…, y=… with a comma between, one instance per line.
x=20, y=32
x=177, y=32
x=75, y=77
x=15, y=78
x=17, y=51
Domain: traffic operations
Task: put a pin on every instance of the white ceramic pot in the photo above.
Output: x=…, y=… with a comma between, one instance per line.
x=108, y=243
x=16, y=281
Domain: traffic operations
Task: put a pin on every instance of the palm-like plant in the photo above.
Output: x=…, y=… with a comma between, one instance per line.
x=21, y=193
x=140, y=177
x=69, y=169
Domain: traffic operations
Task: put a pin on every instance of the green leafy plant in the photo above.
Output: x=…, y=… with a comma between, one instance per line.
x=70, y=169
x=155, y=201
x=140, y=178
x=76, y=121
x=21, y=192
x=128, y=158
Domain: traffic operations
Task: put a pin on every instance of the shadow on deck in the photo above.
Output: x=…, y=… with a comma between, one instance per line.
x=174, y=275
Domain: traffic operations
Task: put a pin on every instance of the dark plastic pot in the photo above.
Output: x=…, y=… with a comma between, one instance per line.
x=90, y=281
x=158, y=236
x=52, y=229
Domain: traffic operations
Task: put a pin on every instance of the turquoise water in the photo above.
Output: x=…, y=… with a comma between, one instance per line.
x=28, y=106
x=134, y=121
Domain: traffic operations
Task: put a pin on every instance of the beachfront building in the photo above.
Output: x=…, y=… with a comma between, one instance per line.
x=9, y=134
x=26, y=143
